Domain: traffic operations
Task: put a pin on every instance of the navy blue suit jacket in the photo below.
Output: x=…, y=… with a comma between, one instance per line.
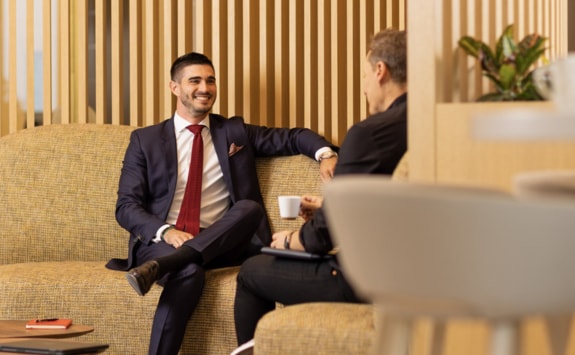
x=148, y=179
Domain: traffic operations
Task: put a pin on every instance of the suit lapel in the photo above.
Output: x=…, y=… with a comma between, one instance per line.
x=220, y=139
x=171, y=154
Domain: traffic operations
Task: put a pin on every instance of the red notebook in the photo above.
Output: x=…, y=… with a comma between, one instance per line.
x=48, y=323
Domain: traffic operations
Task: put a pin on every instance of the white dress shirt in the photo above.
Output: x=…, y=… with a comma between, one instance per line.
x=215, y=200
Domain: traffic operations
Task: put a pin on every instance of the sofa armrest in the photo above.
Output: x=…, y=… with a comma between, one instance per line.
x=316, y=328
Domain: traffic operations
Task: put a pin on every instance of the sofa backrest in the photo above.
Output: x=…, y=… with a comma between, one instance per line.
x=58, y=190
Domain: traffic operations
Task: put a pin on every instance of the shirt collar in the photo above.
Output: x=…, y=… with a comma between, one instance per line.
x=180, y=124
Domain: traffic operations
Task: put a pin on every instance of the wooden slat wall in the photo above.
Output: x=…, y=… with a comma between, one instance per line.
x=280, y=63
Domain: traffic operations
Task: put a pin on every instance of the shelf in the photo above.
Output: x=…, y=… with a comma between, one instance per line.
x=524, y=124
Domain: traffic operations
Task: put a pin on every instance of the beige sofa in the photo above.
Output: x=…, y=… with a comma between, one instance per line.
x=58, y=188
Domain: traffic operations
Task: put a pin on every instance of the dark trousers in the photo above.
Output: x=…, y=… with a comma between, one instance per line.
x=225, y=243
x=264, y=280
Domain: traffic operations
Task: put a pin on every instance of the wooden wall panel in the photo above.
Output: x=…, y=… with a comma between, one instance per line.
x=279, y=63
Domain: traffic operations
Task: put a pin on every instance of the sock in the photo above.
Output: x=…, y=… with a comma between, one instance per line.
x=181, y=257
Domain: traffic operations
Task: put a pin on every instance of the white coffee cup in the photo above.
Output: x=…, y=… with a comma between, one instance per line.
x=289, y=206
x=556, y=82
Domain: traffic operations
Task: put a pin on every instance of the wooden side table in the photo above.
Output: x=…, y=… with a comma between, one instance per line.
x=11, y=330
x=17, y=329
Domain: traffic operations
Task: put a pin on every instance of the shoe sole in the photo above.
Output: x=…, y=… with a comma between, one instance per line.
x=134, y=283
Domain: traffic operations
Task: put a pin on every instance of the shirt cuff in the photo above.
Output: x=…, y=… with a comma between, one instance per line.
x=320, y=151
x=158, y=237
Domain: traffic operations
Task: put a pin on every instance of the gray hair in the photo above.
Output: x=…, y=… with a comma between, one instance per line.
x=390, y=47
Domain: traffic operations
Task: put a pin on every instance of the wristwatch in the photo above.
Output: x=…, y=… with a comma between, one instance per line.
x=327, y=155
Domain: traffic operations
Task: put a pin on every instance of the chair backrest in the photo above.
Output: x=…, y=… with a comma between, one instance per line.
x=438, y=249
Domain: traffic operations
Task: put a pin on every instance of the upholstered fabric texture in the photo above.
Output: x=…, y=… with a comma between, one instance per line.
x=57, y=198
x=316, y=329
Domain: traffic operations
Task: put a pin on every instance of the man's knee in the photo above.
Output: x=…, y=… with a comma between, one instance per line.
x=192, y=274
x=250, y=206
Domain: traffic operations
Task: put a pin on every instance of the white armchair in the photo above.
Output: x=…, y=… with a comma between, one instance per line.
x=429, y=250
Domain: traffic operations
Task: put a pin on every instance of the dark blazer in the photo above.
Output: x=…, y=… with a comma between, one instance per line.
x=148, y=178
x=372, y=146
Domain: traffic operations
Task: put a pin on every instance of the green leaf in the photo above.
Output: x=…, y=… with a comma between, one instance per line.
x=488, y=63
x=509, y=50
x=507, y=76
x=495, y=80
x=531, y=42
x=500, y=46
x=529, y=93
x=528, y=60
x=470, y=46
x=492, y=96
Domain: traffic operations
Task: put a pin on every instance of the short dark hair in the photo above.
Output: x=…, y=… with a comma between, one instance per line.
x=188, y=59
x=390, y=47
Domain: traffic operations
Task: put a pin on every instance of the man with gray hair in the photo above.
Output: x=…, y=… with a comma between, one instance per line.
x=372, y=146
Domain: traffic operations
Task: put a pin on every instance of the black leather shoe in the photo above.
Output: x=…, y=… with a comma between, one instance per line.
x=142, y=278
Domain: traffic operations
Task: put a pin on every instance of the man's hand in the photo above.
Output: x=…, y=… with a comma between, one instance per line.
x=176, y=238
x=326, y=168
x=308, y=205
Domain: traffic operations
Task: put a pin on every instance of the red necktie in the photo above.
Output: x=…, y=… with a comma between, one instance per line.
x=189, y=217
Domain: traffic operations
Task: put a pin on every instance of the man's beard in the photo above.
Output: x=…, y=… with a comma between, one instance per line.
x=195, y=110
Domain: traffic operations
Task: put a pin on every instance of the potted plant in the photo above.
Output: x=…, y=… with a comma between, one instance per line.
x=509, y=65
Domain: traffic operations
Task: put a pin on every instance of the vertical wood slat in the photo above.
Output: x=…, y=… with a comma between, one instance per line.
x=13, y=111
x=351, y=89
x=322, y=66
x=116, y=61
x=278, y=64
x=64, y=92
x=150, y=90
x=308, y=32
x=4, y=116
x=101, y=62
x=167, y=56
x=230, y=94
x=292, y=62
x=263, y=63
x=183, y=13
x=365, y=33
x=135, y=59
x=244, y=52
x=331, y=129
x=79, y=83
x=217, y=48
x=47, y=62
x=30, y=72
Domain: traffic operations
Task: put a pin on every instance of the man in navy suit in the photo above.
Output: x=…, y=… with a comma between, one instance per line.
x=233, y=223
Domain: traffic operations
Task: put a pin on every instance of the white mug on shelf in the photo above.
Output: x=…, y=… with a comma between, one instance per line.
x=556, y=81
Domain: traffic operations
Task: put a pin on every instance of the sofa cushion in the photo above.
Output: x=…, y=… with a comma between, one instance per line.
x=90, y=294
x=316, y=328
